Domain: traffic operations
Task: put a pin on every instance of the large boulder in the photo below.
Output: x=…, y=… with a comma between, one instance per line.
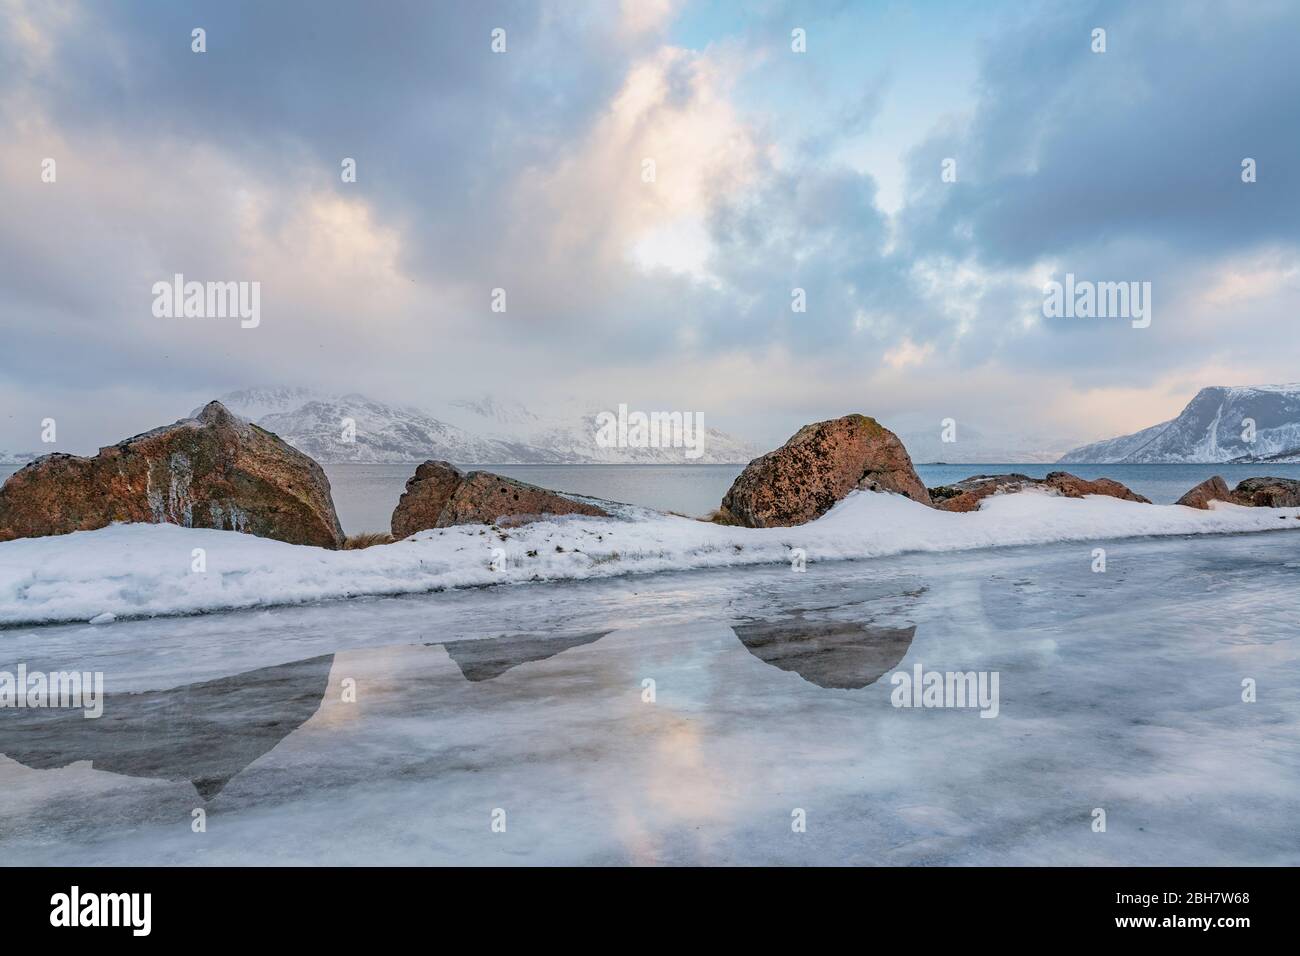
x=1211, y=489
x=211, y=471
x=427, y=493
x=968, y=494
x=438, y=495
x=817, y=467
x=1267, y=493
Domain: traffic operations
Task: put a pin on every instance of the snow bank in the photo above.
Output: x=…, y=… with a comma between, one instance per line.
x=144, y=570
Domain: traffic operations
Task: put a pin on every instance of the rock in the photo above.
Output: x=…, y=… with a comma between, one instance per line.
x=1250, y=492
x=966, y=495
x=1267, y=493
x=211, y=471
x=439, y=496
x=485, y=498
x=1211, y=489
x=817, y=467
x=427, y=493
x=1071, y=486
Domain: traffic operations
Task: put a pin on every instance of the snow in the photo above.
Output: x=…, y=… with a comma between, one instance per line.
x=141, y=570
x=466, y=432
x=1119, y=690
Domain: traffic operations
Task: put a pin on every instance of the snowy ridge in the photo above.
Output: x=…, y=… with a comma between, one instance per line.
x=384, y=433
x=483, y=431
x=141, y=570
x=1212, y=428
x=568, y=434
x=18, y=457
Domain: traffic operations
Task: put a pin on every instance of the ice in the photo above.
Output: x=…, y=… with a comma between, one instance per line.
x=1119, y=690
x=143, y=570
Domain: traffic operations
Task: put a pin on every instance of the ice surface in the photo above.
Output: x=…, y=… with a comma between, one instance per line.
x=143, y=570
x=1120, y=690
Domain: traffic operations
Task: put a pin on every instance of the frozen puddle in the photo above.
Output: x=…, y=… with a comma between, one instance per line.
x=692, y=718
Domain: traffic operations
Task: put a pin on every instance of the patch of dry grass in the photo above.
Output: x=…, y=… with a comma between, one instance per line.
x=357, y=542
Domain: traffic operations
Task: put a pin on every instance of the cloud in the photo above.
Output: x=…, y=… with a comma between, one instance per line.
x=524, y=171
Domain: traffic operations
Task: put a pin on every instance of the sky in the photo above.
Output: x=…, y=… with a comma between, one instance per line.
x=793, y=146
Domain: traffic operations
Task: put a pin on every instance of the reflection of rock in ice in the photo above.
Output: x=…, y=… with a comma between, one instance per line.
x=492, y=656
x=205, y=733
x=839, y=654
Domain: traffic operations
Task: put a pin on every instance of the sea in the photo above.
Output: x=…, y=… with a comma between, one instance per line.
x=365, y=495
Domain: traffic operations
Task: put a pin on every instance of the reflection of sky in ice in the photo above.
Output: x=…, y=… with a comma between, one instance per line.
x=1118, y=690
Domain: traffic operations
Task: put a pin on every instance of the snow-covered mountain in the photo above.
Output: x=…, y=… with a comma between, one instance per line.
x=18, y=457
x=254, y=403
x=354, y=428
x=569, y=432
x=1216, y=426
x=482, y=431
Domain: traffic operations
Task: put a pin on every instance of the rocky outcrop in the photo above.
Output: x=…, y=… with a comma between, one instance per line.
x=211, y=471
x=1267, y=493
x=438, y=495
x=427, y=493
x=817, y=467
x=1250, y=492
x=967, y=495
x=1072, y=486
x=1211, y=489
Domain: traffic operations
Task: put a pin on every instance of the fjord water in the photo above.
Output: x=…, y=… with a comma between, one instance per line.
x=771, y=701
x=365, y=495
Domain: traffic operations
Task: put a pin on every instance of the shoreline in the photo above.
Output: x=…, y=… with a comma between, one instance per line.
x=80, y=577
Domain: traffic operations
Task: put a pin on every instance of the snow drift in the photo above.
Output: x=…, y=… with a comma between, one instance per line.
x=141, y=570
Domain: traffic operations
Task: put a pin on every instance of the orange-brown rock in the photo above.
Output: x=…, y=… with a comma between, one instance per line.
x=968, y=494
x=439, y=496
x=1211, y=489
x=1267, y=493
x=427, y=493
x=1072, y=486
x=211, y=471
x=818, y=466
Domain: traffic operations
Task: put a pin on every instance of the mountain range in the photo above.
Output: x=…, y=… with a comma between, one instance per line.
x=481, y=431
x=1248, y=424
x=1221, y=424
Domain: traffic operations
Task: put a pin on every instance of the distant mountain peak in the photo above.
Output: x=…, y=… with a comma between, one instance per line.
x=1220, y=424
x=486, y=430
